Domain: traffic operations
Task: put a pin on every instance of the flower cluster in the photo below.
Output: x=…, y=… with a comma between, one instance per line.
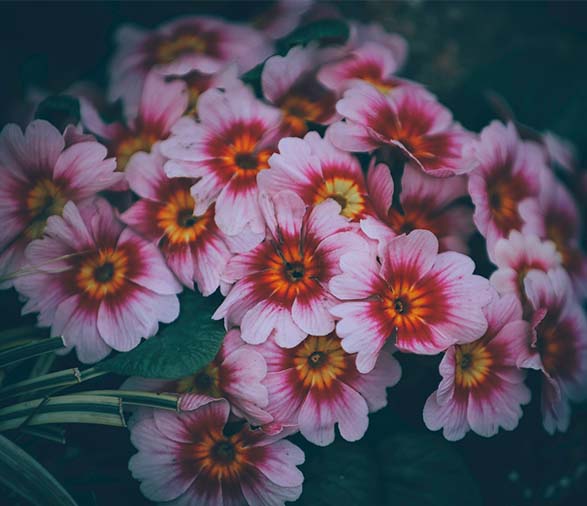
x=333, y=207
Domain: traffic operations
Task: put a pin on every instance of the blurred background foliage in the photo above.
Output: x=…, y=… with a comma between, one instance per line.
x=532, y=54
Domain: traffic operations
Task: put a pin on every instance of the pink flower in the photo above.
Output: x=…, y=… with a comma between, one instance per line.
x=281, y=286
x=315, y=170
x=235, y=374
x=482, y=389
x=230, y=145
x=426, y=203
x=289, y=82
x=96, y=283
x=193, y=246
x=516, y=256
x=316, y=385
x=40, y=171
x=177, y=47
x=560, y=152
x=187, y=459
x=421, y=300
x=281, y=17
x=504, y=184
x=408, y=119
x=558, y=347
x=362, y=33
x=162, y=104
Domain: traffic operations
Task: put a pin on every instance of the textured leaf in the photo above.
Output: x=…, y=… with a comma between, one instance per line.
x=180, y=349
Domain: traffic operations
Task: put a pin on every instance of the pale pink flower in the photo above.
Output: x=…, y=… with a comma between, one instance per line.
x=362, y=33
x=482, y=388
x=316, y=385
x=408, y=119
x=560, y=152
x=226, y=150
x=187, y=459
x=421, y=301
x=281, y=17
x=40, y=171
x=426, y=203
x=281, y=286
x=97, y=283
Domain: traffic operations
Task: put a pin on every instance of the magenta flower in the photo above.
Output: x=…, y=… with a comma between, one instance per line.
x=96, y=283
x=504, y=184
x=187, y=459
x=235, y=374
x=316, y=170
x=289, y=82
x=193, y=246
x=422, y=301
x=230, y=145
x=482, y=389
x=162, y=104
x=427, y=203
x=408, y=119
x=558, y=346
x=40, y=171
x=316, y=385
x=177, y=47
x=281, y=286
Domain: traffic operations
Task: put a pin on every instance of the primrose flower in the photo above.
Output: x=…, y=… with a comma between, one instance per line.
x=408, y=119
x=421, y=301
x=316, y=385
x=482, y=388
x=162, y=104
x=363, y=33
x=558, y=346
x=289, y=82
x=315, y=170
x=96, y=283
x=281, y=286
x=40, y=171
x=235, y=374
x=281, y=17
x=193, y=246
x=226, y=150
x=426, y=203
x=187, y=458
x=178, y=47
x=560, y=152
x=504, y=184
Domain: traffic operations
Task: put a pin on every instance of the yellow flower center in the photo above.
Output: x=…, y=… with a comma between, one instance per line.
x=131, y=145
x=102, y=273
x=43, y=200
x=473, y=362
x=169, y=50
x=319, y=360
x=346, y=192
x=205, y=381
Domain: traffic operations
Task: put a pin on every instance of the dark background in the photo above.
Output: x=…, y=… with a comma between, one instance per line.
x=531, y=53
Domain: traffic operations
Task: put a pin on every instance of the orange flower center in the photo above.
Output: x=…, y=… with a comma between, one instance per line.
x=102, y=273
x=406, y=305
x=45, y=199
x=168, y=50
x=221, y=457
x=297, y=111
x=131, y=145
x=473, y=363
x=346, y=192
x=383, y=85
x=319, y=360
x=503, y=203
x=205, y=381
x=243, y=155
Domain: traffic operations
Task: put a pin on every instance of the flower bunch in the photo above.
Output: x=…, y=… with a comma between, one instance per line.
x=334, y=205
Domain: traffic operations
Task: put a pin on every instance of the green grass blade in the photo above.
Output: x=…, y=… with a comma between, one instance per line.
x=138, y=398
x=30, y=350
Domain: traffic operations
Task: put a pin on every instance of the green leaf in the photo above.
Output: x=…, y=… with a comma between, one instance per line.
x=342, y=474
x=424, y=469
x=59, y=110
x=30, y=350
x=324, y=31
x=180, y=349
x=29, y=479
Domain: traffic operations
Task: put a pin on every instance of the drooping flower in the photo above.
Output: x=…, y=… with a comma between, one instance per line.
x=504, y=184
x=316, y=170
x=193, y=246
x=408, y=119
x=426, y=203
x=162, y=104
x=289, y=82
x=235, y=374
x=228, y=148
x=281, y=286
x=516, y=256
x=558, y=346
x=96, y=283
x=186, y=458
x=40, y=171
x=316, y=385
x=482, y=388
x=418, y=299
x=177, y=47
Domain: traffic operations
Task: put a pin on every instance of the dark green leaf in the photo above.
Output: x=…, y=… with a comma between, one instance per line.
x=59, y=110
x=324, y=31
x=180, y=349
x=425, y=470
